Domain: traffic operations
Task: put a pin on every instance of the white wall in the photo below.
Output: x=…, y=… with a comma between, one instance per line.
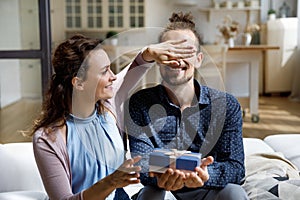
x=30, y=69
x=298, y=14
x=58, y=24
x=10, y=25
x=10, y=86
x=31, y=79
x=29, y=24
x=295, y=95
x=158, y=12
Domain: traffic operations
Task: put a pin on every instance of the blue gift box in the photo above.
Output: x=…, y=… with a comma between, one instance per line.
x=162, y=159
x=188, y=161
x=159, y=159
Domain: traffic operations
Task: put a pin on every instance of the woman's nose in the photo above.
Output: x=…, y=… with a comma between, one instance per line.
x=112, y=75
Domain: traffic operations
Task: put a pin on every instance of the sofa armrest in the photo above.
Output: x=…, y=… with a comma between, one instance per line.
x=18, y=169
x=22, y=195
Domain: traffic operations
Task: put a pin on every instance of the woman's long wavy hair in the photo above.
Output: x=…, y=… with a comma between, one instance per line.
x=68, y=61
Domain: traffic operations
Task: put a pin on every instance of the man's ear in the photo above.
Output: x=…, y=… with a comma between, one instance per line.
x=77, y=83
x=199, y=60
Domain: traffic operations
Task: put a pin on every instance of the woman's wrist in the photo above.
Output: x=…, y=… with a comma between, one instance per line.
x=101, y=189
x=109, y=180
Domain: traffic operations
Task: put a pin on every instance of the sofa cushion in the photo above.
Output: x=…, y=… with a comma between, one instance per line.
x=23, y=195
x=18, y=169
x=255, y=145
x=288, y=144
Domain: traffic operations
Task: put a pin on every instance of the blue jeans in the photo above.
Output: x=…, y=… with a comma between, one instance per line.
x=229, y=192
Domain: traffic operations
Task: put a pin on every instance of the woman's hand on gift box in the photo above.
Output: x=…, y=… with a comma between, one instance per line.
x=126, y=174
x=200, y=176
x=171, y=180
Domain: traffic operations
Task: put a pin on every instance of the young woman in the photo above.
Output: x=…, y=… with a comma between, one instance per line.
x=77, y=144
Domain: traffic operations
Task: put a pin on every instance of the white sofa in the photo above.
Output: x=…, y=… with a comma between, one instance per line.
x=20, y=180
x=19, y=176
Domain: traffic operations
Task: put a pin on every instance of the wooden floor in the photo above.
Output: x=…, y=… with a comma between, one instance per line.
x=16, y=118
x=278, y=115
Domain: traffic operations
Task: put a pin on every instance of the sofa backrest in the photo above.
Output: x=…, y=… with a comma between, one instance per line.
x=18, y=169
x=288, y=144
x=255, y=145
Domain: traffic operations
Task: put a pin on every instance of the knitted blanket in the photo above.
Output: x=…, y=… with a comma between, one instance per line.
x=271, y=176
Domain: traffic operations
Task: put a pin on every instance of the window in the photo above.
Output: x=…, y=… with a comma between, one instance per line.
x=136, y=13
x=25, y=64
x=94, y=14
x=73, y=13
x=115, y=15
x=104, y=14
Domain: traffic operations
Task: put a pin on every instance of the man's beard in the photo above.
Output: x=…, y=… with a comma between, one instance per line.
x=176, y=82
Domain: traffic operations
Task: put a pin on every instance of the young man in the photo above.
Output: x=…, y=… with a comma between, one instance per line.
x=182, y=114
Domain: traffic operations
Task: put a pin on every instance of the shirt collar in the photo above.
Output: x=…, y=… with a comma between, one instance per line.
x=204, y=98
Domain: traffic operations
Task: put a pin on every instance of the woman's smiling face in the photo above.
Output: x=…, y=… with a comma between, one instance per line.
x=99, y=77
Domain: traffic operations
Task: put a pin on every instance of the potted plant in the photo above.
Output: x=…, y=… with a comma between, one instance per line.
x=111, y=37
x=271, y=14
x=229, y=30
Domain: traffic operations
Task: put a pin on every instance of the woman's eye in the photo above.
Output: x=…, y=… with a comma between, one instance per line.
x=105, y=71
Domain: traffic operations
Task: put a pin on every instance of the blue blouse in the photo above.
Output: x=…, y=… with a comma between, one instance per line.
x=95, y=149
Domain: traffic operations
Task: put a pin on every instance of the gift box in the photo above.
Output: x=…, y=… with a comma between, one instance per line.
x=162, y=159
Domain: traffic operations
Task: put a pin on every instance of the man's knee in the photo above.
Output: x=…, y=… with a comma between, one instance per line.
x=150, y=193
x=232, y=192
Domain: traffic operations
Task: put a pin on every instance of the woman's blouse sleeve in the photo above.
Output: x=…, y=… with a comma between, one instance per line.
x=127, y=80
x=52, y=161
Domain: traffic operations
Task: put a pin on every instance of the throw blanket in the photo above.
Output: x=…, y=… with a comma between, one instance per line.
x=271, y=176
